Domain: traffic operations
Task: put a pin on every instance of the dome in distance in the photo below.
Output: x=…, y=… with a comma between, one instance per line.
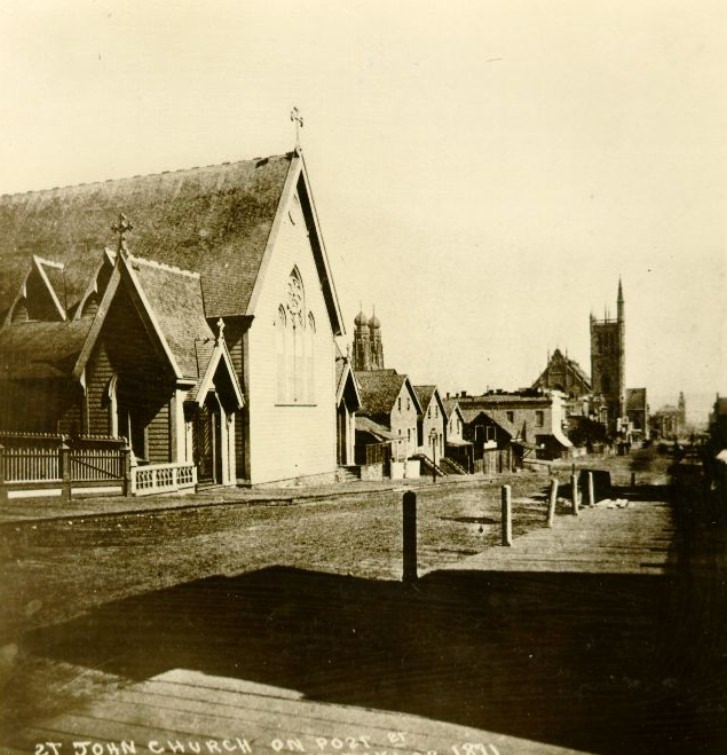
x=374, y=322
x=361, y=320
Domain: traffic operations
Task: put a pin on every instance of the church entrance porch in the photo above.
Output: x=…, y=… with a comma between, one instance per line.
x=207, y=441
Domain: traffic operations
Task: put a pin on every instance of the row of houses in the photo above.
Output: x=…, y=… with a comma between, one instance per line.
x=194, y=315
x=420, y=428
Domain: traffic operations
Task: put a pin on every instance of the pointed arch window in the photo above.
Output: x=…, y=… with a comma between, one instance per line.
x=295, y=345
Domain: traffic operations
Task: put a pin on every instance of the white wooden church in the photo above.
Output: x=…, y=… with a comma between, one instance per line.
x=212, y=314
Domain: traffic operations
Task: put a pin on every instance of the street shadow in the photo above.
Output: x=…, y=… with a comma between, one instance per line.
x=586, y=661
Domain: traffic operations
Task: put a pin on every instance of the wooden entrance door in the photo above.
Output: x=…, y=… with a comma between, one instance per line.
x=207, y=443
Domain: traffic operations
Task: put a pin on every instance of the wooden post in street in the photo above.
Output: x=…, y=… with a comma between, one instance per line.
x=410, y=536
x=574, y=492
x=591, y=490
x=552, y=501
x=506, y=515
x=633, y=479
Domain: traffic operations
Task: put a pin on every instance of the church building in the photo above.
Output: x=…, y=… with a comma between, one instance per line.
x=608, y=366
x=219, y=296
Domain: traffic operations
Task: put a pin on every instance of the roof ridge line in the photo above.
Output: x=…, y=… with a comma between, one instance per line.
x=155, y=174
x=164, y=266
x=50, y=263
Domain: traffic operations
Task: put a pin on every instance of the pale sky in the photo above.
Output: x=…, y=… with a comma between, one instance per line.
x=483, y=171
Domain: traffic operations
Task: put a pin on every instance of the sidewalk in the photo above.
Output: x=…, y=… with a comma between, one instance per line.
x=26, y=509
x=617, y=537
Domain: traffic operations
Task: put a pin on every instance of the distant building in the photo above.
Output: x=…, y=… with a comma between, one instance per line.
x=637, y=412
x=608, y=364
x=368, y=348
x=533, y=421
x=457, y=447
x=670, y=421
x=431, y=423
x=565, y=375
x=389, y=400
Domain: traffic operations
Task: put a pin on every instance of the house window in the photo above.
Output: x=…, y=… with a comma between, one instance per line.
x=429, y=413
x=539, y=418
x=510, y=416
x=408, y=404
x=399, y=403
x=408, y=434
x=490, y=433
x=436, y=412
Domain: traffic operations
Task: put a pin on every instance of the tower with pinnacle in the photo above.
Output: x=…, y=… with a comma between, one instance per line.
x=368, y=349
x=608, y=365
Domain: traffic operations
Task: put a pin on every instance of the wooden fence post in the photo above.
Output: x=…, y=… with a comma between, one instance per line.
x=506, y=515
x=126, y=468
x=3, y=488
x=591, y=490
x=64, y=463
x=552, y=501
x=410, y=536
x=574, y=492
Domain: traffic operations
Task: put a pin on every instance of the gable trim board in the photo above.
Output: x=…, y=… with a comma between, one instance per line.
x=297, y=184
x=123, y=271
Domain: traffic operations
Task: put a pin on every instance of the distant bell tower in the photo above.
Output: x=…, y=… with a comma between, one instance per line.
x=682, y=412
x=608, y=365
x=361, y=343
x=377, y=347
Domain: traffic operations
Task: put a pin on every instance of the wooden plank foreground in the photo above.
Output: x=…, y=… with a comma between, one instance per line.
x=187, y=711
x=612, y=537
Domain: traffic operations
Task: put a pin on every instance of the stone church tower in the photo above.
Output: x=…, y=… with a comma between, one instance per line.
x=368, y=350
x=608, y=365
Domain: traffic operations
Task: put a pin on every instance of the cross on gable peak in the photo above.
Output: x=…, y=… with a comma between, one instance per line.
x=297, y=118
x=122, y=227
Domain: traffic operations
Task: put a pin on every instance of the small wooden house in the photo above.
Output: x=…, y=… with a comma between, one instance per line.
x=389, y=399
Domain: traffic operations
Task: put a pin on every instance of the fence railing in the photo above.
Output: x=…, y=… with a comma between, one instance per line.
x=162, y=478
x=47, y=465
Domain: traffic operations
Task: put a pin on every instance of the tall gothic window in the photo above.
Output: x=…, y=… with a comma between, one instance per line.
x=295, y=346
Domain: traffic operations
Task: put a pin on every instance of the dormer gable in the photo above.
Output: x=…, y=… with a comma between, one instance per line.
x=41, y=296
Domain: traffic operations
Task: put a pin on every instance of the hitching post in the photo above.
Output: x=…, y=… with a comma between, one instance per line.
x=506, y=515
x=591, y=490
x=552, y=500
x=410, y=536
x=633, y=479
x=574, y=492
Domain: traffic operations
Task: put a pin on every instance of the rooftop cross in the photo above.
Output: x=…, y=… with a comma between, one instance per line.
x=122, y=228
x=220, y=330
x=297, y=118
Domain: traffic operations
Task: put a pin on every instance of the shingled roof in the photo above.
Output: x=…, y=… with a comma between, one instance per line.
x=379, y=390
x=37, y=349
x=175, y=299
x=214, y=220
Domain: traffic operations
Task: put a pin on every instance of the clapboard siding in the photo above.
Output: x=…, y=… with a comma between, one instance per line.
x=290, y=440
x=98, y=376
x=159, y=436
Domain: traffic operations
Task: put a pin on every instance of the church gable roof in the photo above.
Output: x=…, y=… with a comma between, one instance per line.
x=175, y=299
x=559, y=360
x=214, y=220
